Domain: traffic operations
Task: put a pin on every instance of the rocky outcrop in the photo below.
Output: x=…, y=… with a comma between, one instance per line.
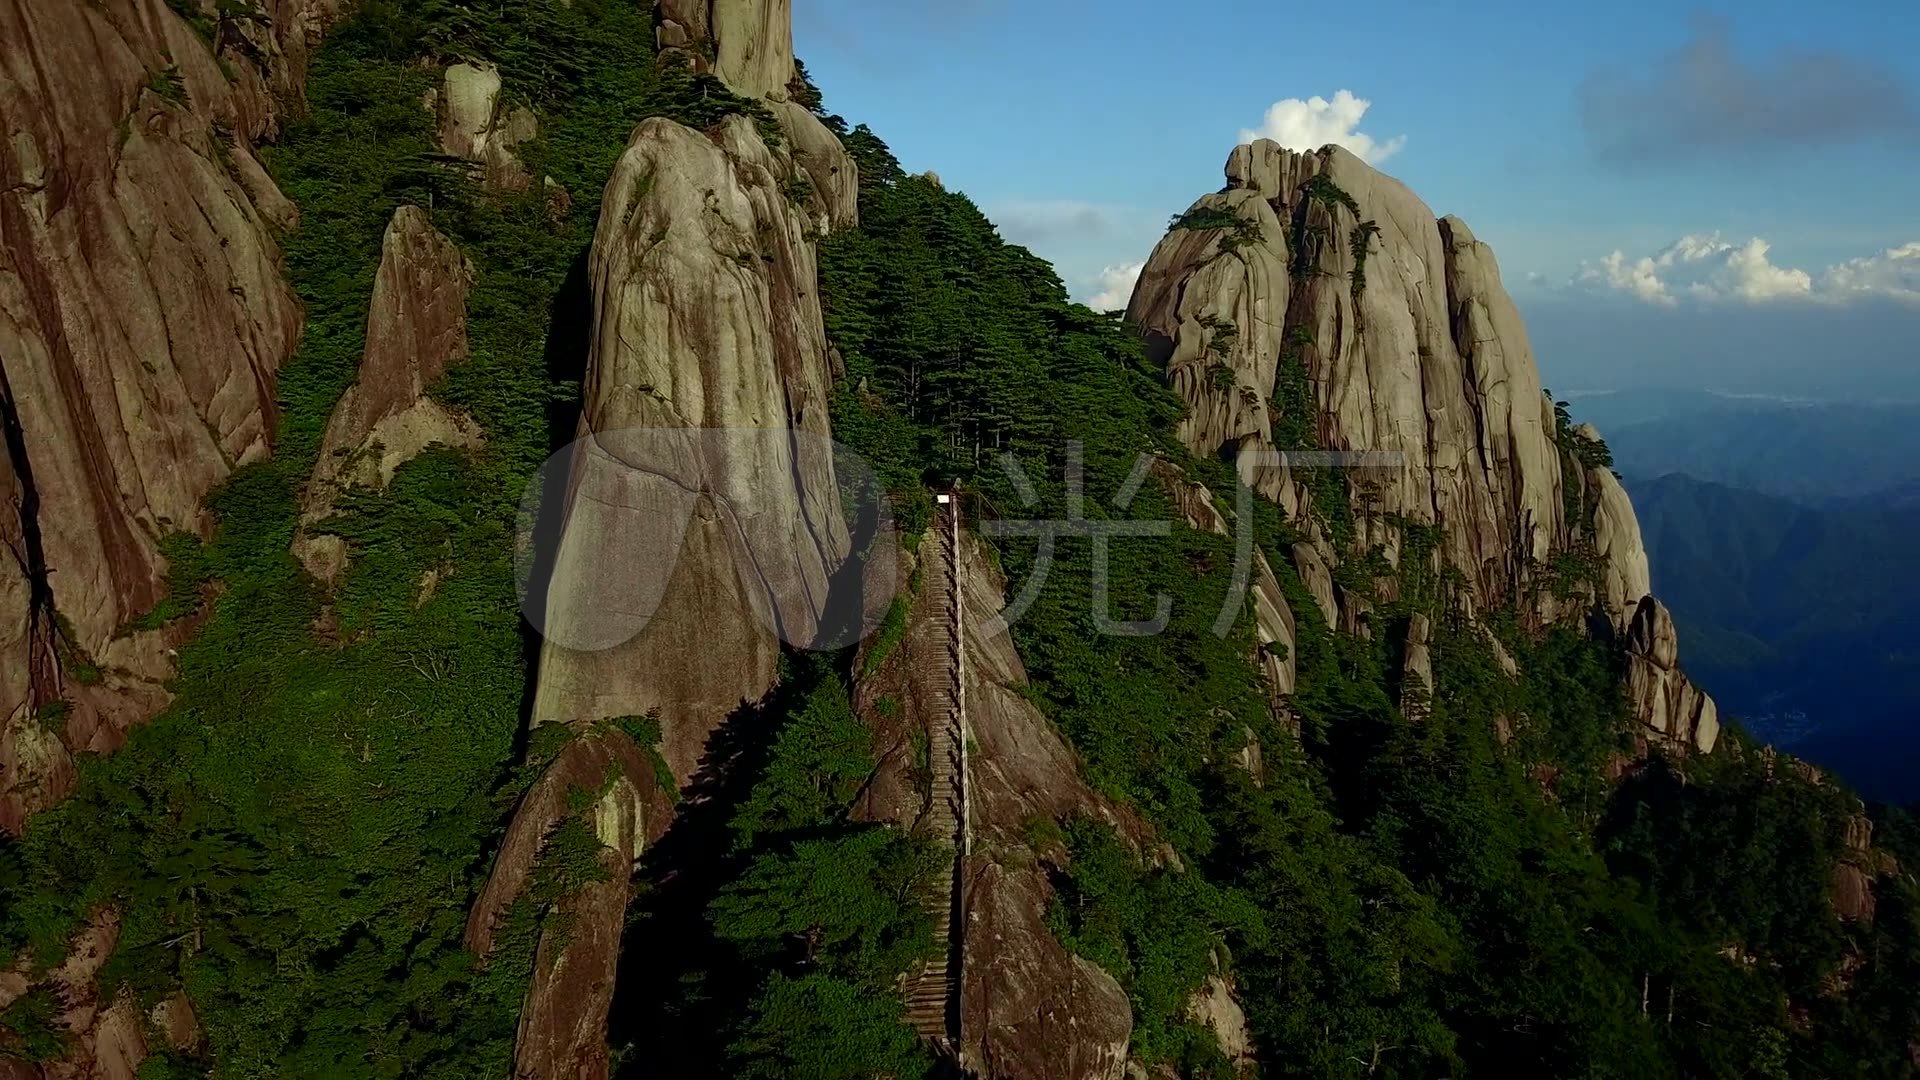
x=562, y=1031
x=1213, y=1007
x=703, y=520
x=700, y=518
x=416, y=329
x=1409, y=348
x=1622, y=554
x=748, y=44
x=1853, y=893
x=1416, y=667
x=832, y=183
x=1031, y=1010
x=142, y=319
x=178, y=1026
x=475, y=127
x=1659, y=693
x=1315, y=284
x=1020, y=769
x=105, y=1039
x=1318, y=577
x=1274, y=626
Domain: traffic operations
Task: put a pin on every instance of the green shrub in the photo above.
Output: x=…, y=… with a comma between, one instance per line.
x=1236, y=231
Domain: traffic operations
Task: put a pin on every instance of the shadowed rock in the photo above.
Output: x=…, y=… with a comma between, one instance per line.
x=1033, y=1010
x=1660, y=694
x=563, y=1020
x=1029, y=1007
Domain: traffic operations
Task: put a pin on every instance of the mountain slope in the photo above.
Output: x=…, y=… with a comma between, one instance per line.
x=1390, y=770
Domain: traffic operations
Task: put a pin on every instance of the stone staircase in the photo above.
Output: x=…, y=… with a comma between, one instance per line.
x=933, y=992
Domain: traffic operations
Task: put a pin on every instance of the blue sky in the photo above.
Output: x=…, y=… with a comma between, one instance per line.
x=1562, y=138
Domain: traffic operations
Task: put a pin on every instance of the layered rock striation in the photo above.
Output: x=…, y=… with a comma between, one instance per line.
x=699, y=523
x=748, y=44
x=1662, y=697
x=703, y=517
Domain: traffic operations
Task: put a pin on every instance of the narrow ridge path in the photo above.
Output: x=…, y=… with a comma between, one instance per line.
x=933, y=993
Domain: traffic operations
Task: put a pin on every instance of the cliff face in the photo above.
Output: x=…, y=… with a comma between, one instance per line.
x=700, y=516
x=142, y=319
x=563, y=1021
x=1317, y=304
x=1427, y=360
x=702, y=523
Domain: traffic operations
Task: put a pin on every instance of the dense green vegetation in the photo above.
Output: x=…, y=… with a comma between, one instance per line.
x=772, y=926
x=297, y=840
x=1395, y=897
x=1235, y=230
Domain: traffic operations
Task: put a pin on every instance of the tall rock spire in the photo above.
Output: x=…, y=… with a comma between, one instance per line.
x=1315, y=303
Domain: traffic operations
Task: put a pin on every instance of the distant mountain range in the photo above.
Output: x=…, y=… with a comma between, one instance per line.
x=1782, y=535
x=1802, y=619
x=1813, y=452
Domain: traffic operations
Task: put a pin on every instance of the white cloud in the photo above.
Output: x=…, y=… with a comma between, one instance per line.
x=1315, y=122
x=1894, y=272
x=1641, y=278
x=1116, y=287
x=1705, y=267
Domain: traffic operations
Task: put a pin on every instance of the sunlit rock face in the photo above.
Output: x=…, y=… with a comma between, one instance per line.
x=1316, y=304
x=703, y=523
x=143, y=320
